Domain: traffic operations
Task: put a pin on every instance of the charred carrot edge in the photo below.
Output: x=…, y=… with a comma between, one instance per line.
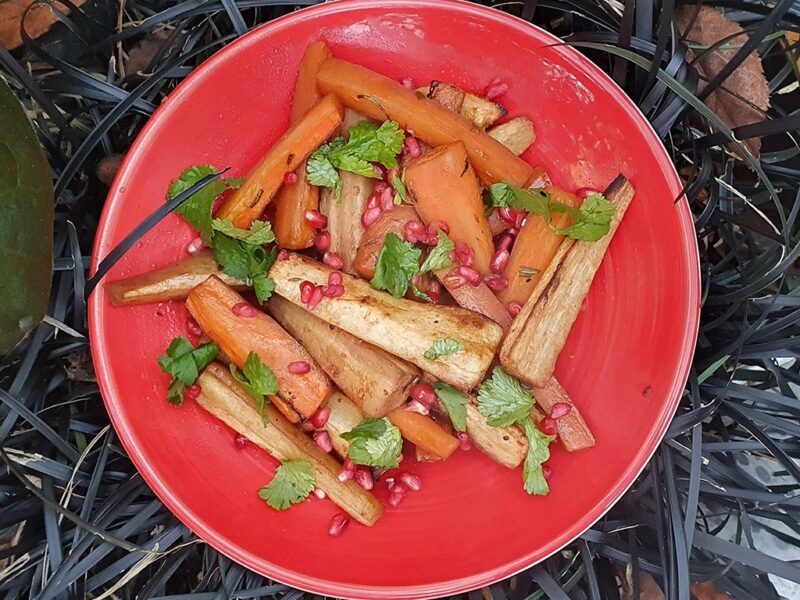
x=573, y=431
x=211, y=304
x=445, y=188
x=382, y=98
x=248, y=202
x=424, y=432
x=291, y=228
x=534, y=248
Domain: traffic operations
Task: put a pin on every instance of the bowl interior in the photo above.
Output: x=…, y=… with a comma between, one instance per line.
x=472, y=524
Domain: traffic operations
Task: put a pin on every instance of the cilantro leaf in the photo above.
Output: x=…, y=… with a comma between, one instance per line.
x=260, y=232
x=196, y=210
x=538, y=453
x=232, y=256
x=294, y=480
x=184, y=362
x=593, y=220
x=439, y=256
x=443, y=347
x=399, y=185
x=375, y=443
x=397, y=264
x=319, y=169
x=537, y=201
x=263, y=286
x=503, y=400
x=257, y=378
x=420, y=294
x=247, y=262
x=454, y=403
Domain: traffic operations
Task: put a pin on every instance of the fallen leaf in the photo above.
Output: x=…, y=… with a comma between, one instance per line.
x=706, y=590
x=108, y=166
x=706, y=27
x=39, y=20
x=79, y=367
x=143, y=53
x=648, y=588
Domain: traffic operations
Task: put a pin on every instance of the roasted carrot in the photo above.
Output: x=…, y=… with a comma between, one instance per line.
x=445, y=188
x=424, y=432
x=372, y=241
x=382, y=98
x=573, y=431
x=248, y=202
x=479, y=299
x=534, y=248
x=291, y=228
x=211, y=304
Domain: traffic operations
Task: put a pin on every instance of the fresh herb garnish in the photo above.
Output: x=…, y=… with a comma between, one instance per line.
x=528, y=271
x=538, y=454
x=420, y=294
x=399, y=185
x=397, y=264
x=443, y=347
x=439, y=256
x=260, y=232
x=294, y=480
x=257, y=378
x=375, y=443
x=454, y=403
x=184, y=362
x=244, y=260
x=590, y=222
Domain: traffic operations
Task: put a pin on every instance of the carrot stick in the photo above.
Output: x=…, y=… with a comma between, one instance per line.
x=248, y=202
x=372, y=241
x=479, y=299
x=444, y=188
x=573, y=431
x=382, y=98
x=424, y=432
x=211, y=305
x=291, y=228
x=534, y=248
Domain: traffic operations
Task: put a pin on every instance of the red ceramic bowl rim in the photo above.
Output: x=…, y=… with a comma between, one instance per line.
x=295, y=579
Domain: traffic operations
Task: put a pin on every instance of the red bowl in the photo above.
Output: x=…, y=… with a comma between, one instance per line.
x=625, y=363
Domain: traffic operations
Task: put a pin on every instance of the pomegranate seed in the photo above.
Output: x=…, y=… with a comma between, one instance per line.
x=496, y=88
x=397, y=493
x=412, y=146
x=390, y=483
x=453, y=281
x=414, y=232
x=559, y=410
x=240, y=441
x=513, y=232
x=496, y=283
x=283, y=254
x=513, y=308
x=435, y=226
x=424, y=394
x=333, y=260
x=195, y=245
x=408, y=82
x=290, y=178
x=307, y=426
x=320, y=493
x=316, y=298
x=319, y=418
x=338, y=524
x=333, y=291
x=548, y=426
x=244, y=310
x=380, y=170
x=391, y=174
x=499, y=261
x=192, y=392
x=347, y=472
x=435, y=291
x=316, y=219
x=416, y=279
x=380, y=187
x=370, y=216
x=335, y=278
x=504, y=241
x=465, y=443
x=193, y=327
x=413, y=482
x=547, y=471
x=417, y=407
x=509, y=215
x=306, y=291
x=364, y=478
x=470, y=275
x=464, y=254
x=432, y=240
x=387, y=200
x=322, y=241
x=519, y=220
x=215, y=206
x=323, y=440
x=299, y=367
x=374, y=200
x=585, y=192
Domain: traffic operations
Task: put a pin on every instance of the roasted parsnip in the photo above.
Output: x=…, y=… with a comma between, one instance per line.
x=345, y=416
x=505, y=445
x=224, y=398
x=479, y=110
x=515, y=134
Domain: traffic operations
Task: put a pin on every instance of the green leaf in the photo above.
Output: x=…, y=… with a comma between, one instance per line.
x=257, y=378
x=184, y=362
x=592, y=221
x=420, y=294
x=260, y=232
x=443, y=347
x=175, y=391
x=397, y=264
x=197, y=208
x=399, y=185
x=294, y=480
x=375, y=443
x=232, y=256
x=505, y=194
x=263, y=286
x=319, y=169
x=26, y=225
x=247, y=262
x=538, y=454
x=454, y=403
x=439, y=256
x=503, y=400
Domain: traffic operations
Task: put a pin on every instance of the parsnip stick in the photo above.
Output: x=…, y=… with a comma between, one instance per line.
x=573, y=431
x=401, y=327
x=516, y=134
x=505, y=445
x=372, y=378
x=540, y=331
x=223, y=397
x=173, y=282
x=479, y=110
x=345, y=416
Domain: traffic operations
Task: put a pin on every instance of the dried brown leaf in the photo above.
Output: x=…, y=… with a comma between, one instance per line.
x=746, y=88
x=706, y=590
x=79, y=367
x=143, y=53
x=39, y=20
x=108, y=166
x=648, y=588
